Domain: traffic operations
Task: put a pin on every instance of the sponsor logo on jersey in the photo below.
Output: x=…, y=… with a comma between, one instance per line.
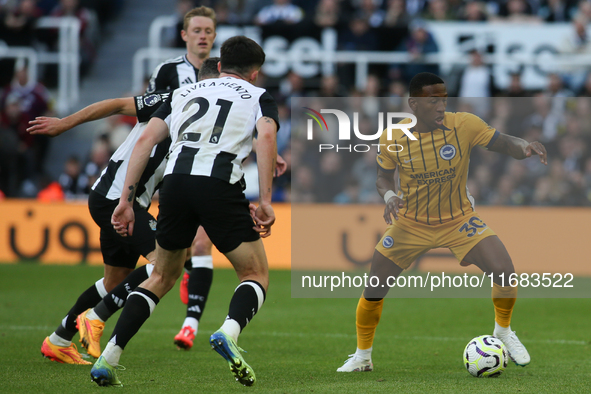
x=152, y=99
x=152, y=224
x=139, y=103
x=447, y=152
x=388, y=242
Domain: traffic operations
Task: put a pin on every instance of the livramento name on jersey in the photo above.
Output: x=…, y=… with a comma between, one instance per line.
x=232, y=85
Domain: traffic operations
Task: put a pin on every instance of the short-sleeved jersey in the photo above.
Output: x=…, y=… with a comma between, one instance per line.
x=146, y=105
x=433, y=169
x=172, y=74
x=211, y=125
x=111, y=181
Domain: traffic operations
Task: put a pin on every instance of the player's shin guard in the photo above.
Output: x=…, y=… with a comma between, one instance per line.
x=199, y=284
x=88, y=299
x=247, y=300
x=115, y=300
x=367, y=319
x=138, y=308
x=504, y=300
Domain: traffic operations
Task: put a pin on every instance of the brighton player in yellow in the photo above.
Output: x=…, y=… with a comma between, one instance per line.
x=432, y=208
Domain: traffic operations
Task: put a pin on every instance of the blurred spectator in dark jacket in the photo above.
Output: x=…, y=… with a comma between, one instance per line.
x=33, y=100
x=438, y=10
x=328, y=13
x=420, y=43
x=14, y=124
x=73, y=182
x=281, y=11
x=396, y=15
x=474, y=11
x=17, y=23
x=557, y=10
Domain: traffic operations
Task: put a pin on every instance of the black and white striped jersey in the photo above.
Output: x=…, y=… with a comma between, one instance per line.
x=146, y=105
x=172, y=74
x=211, y=126
x=111, y=181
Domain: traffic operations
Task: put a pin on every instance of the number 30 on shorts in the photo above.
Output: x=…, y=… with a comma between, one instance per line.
x=473, y=226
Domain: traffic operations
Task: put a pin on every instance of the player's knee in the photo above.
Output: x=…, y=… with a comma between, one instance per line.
x=164, y=281
x=201, y=248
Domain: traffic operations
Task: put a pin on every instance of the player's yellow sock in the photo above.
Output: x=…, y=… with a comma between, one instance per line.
x=367, y=319
x=503, y=299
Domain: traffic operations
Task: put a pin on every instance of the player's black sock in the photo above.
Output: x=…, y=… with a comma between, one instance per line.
x=188, y=265
x=246, y=302
x=199, y=285
x=115, y=300
x=91, y=296
x=138, y=308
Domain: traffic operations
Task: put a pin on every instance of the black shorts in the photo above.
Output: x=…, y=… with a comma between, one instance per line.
x=188, y=201
x=121, y=251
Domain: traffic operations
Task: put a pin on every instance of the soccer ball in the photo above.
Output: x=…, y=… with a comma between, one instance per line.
x=485, y=356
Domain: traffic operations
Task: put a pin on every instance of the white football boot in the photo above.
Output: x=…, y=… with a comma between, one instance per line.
x=356, y=364
x=517, y=351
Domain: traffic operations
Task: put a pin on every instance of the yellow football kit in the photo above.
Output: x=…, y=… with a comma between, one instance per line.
x=432, y=174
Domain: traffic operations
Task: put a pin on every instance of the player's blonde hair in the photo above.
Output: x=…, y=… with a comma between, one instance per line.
x=199, y=11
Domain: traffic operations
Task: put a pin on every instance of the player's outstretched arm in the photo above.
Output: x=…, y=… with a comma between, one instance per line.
x=386, y=186
x=266, y=161
x=55, y=126
x=518, y=148
x=123, y=217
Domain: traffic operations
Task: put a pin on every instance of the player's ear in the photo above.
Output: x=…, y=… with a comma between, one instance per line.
x=412, y=103
x=254, y=75
x=184, y=35
x=219, y=67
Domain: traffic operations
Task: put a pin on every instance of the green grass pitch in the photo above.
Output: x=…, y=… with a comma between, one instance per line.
x=294, y=345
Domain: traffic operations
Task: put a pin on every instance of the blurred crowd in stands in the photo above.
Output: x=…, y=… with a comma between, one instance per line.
x=562, y=123
x=380, y=25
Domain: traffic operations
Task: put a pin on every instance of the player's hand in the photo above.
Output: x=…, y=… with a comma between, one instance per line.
x=44, y=125
x=264, y=217
x=123, y=219
x=280, y=166
x=252, y=208
x=394, y=204
x=536, y=148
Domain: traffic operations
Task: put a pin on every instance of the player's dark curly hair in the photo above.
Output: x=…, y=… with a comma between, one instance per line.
x=240, y=55
x=420, y=80
x=209, y=69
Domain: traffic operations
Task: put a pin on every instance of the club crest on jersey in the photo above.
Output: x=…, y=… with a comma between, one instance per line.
x=388, y=242
x=152, y=99
x=447, y=152
x=152, y=223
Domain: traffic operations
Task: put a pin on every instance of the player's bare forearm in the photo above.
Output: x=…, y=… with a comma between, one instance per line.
x=266, y=157
x=509, y=145
x=385, y=182
x=280, y=163
x=519, y=148
x=155, y=132
x=102, y=109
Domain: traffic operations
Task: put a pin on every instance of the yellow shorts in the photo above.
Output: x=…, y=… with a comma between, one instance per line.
x=405, y=239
